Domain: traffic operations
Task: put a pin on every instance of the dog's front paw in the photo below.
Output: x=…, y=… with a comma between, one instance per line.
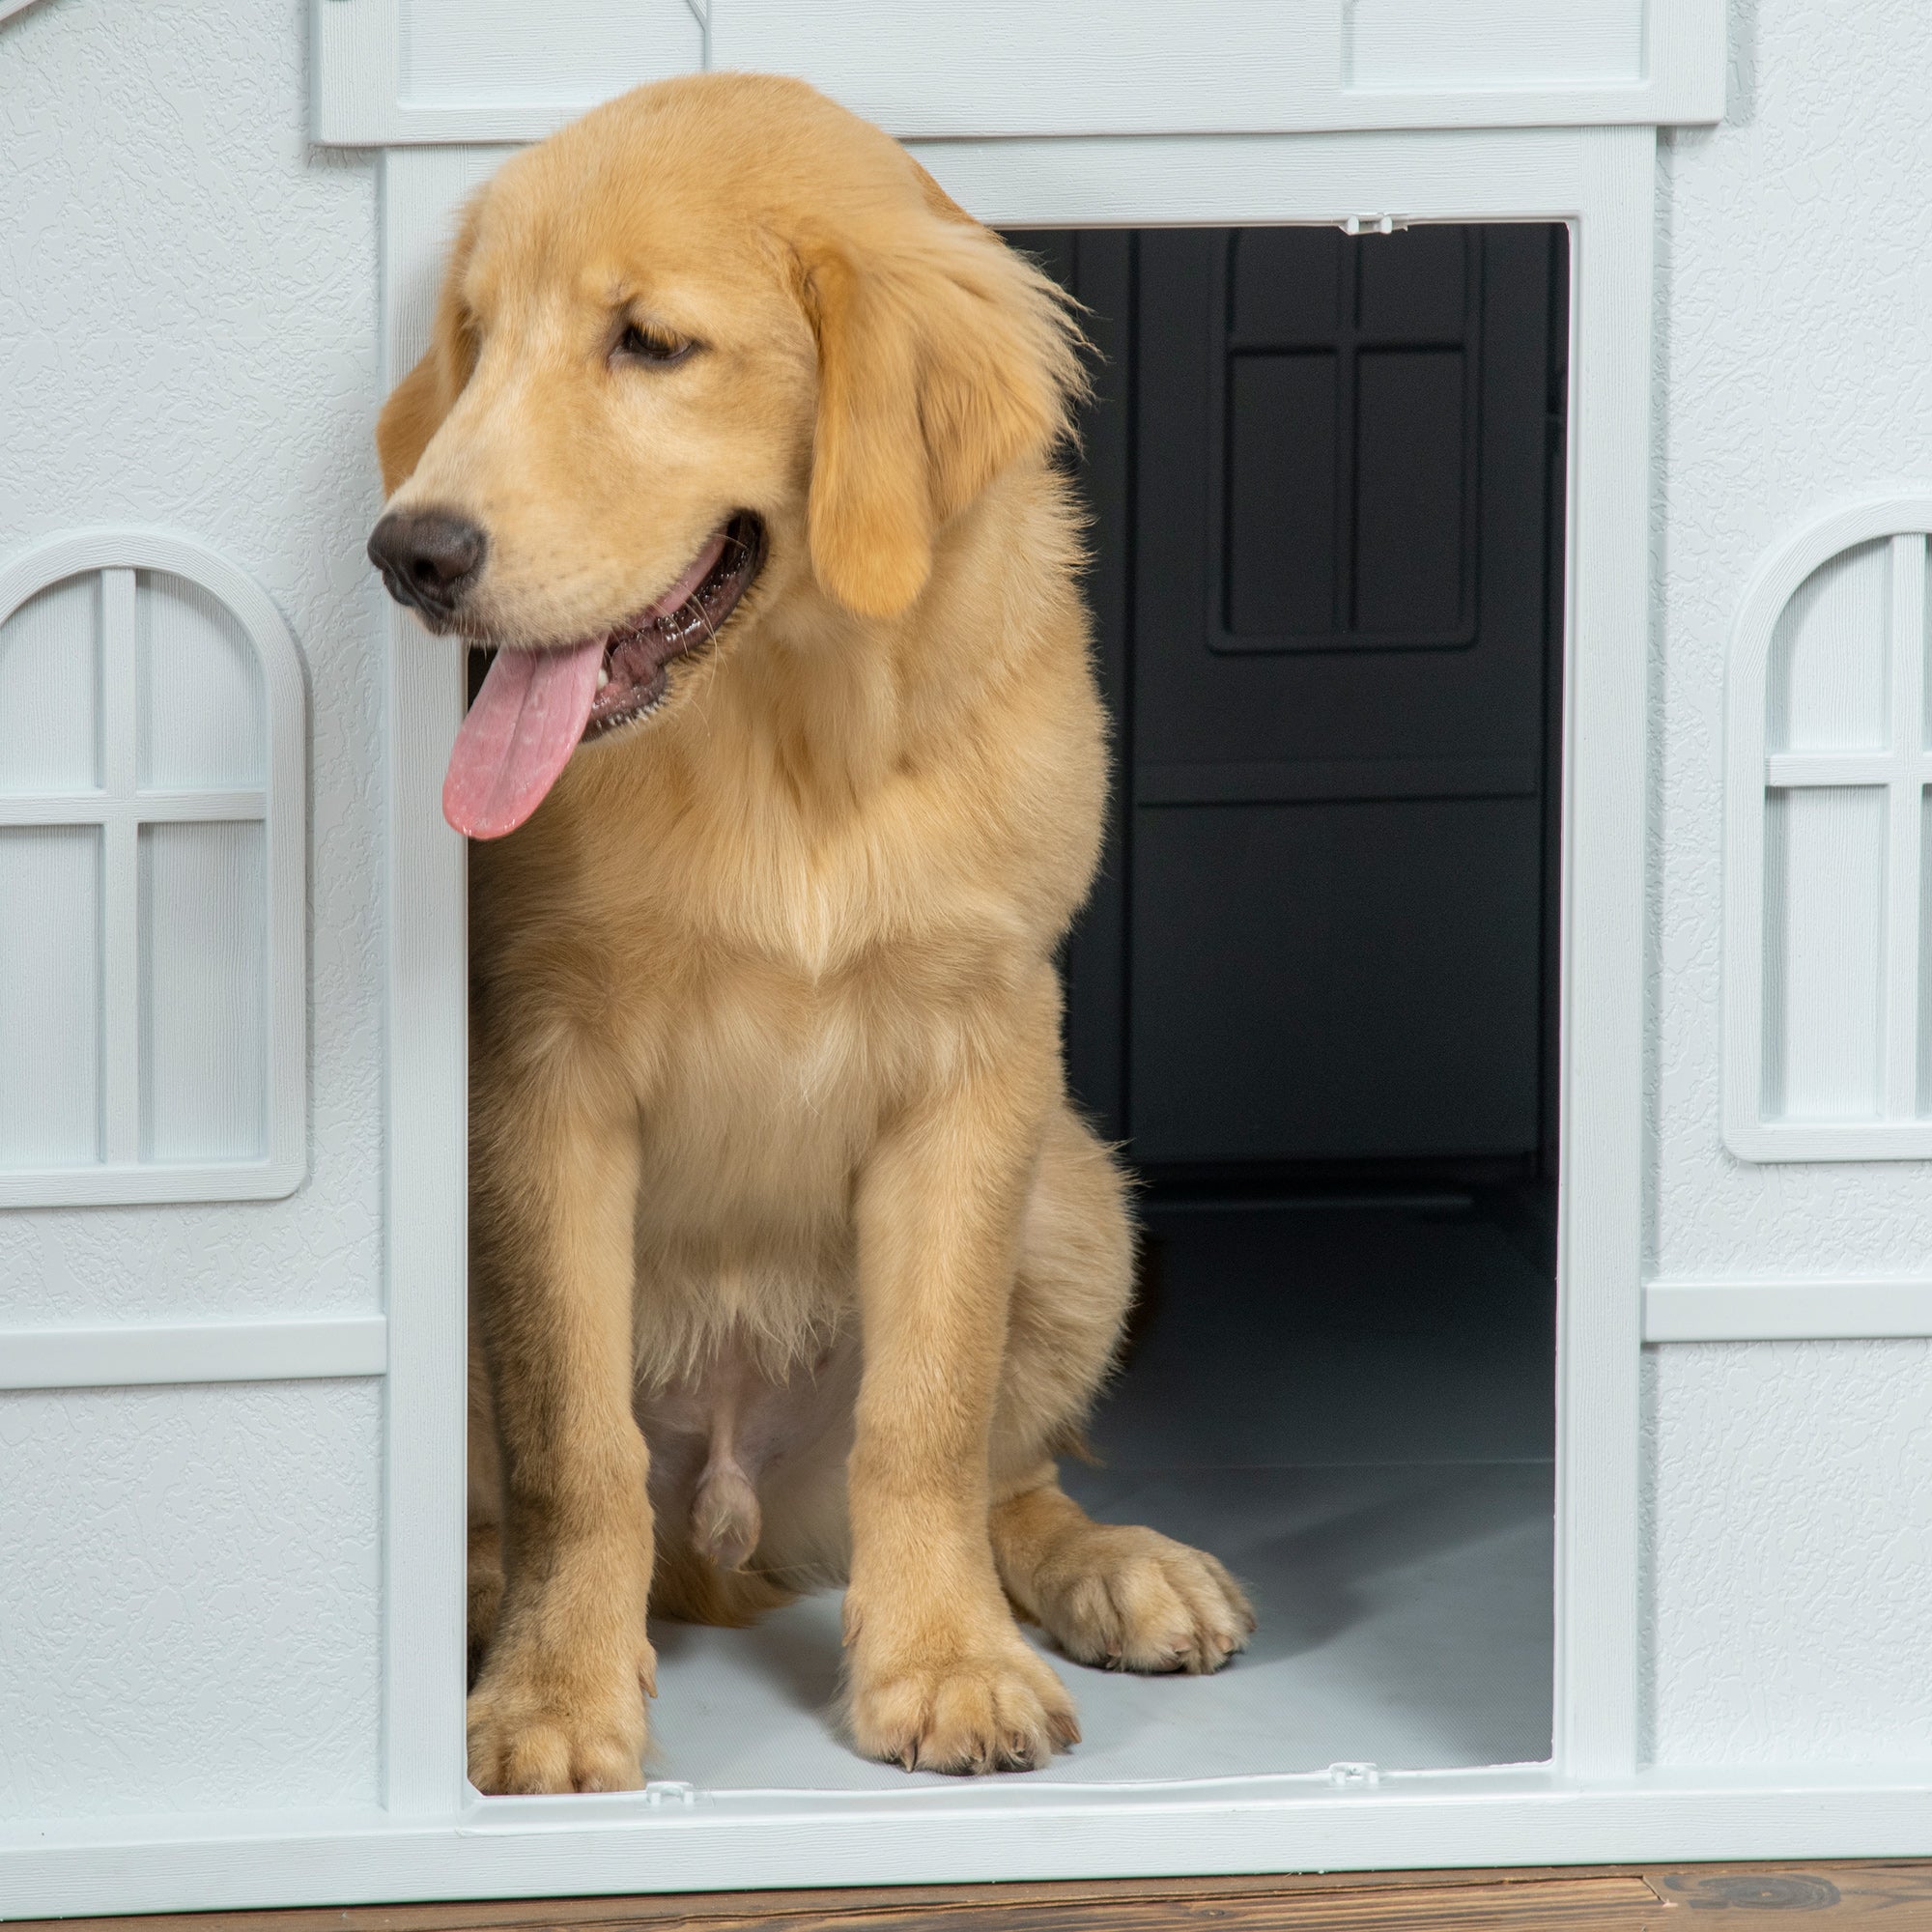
x=1000, y=1708
x=541, y=1731
x=1131, y=1599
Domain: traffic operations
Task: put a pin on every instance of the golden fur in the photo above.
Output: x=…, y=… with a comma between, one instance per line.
x=766, y=1074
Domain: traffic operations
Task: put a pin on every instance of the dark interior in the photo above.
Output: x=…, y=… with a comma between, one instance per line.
x=1314, y=993
x=1325, y=473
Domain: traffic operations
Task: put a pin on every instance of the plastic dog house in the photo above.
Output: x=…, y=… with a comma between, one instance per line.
x=232, y=1065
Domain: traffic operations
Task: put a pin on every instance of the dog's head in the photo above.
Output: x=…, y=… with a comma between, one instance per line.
x=718, y=344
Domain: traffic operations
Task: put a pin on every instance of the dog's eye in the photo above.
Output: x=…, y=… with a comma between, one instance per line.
x=653, y=345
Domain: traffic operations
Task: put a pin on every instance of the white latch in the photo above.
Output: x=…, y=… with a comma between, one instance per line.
x=670, y=1791
x=1374, y=224
x=1353, y=1777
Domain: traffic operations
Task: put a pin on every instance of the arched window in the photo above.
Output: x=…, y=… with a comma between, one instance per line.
x=152, y=791
x=1828, y=1052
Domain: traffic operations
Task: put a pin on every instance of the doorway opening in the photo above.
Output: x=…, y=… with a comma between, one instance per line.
x=1315, y=998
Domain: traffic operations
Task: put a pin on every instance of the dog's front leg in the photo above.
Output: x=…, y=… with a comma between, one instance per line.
x=938, y=1675
x=559, y=1703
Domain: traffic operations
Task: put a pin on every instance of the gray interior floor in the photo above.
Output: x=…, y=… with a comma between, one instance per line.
x=1354, y=1407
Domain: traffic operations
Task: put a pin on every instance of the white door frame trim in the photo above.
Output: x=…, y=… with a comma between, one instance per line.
x=1601, y=182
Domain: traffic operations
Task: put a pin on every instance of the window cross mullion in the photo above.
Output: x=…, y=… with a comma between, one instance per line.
x=120, y=877
x=1906, y=795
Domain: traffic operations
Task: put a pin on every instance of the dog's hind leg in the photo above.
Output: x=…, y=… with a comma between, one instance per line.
x=1125, y=1598
x=1116, y=1595
x=486, y=1510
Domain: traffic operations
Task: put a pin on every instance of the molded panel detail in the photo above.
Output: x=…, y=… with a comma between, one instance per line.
x=1824, y=977
x=1787, y=1310
x=49, y=690
x=152, y=1026
x=1828, y=656
x=572, y=52
x=1825, y=874
x=435, y=70
x=1419, y=44
x=50, y=995
x=1322, y=1030
x=201, y=688
x=138, y=1354
x=203, y=985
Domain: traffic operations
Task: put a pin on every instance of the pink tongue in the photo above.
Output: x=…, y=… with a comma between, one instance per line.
x=520, y=733
x=528, y=720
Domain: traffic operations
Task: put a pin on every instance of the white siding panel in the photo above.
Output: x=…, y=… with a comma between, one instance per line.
x=1479, y=43
x=1049, y=67
x=189, y=1614
x=49, y=996
x=204, y=954
x=49, y=690
x=1793, y=1525
x=201, y=721
x=1823, y=972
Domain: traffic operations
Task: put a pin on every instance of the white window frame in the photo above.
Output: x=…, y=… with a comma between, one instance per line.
x=1902, y=768
x=118, y=809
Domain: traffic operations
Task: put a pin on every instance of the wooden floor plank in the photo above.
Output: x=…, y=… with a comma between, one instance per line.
x=1885, y=1898
x=1900, y=1894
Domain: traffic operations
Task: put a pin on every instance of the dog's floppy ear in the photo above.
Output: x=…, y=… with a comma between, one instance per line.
x=940, y=363
x=419, y=402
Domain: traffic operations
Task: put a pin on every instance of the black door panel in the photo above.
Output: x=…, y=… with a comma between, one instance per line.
x=1342, y=981
x=1324, y=474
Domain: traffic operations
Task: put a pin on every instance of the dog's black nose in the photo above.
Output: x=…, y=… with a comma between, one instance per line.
x=427, y=557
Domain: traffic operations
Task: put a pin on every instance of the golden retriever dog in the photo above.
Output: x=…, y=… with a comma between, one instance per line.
x=791, y=1260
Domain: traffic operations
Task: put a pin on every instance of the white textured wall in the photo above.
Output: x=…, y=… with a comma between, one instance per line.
x=1793, y=1522
x=1790, y=1571
x=188, y=1576
x=189, y=1597
x=188, y=338
x=1795, y=368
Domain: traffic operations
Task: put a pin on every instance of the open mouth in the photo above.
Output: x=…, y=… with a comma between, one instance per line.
x=536, y=706
x=635, y=676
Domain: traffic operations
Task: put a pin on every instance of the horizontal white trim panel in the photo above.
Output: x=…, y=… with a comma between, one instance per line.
x=1832, y=1140
x=145, y=807
x=1012, y=71
x=1786, y=771
x=132, y=1355
x=728, y=1841
x=362, y=118
x=135, y=1184
x=1786, y=1311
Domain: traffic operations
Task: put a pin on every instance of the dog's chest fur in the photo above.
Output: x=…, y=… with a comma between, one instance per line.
x=767, y=1012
